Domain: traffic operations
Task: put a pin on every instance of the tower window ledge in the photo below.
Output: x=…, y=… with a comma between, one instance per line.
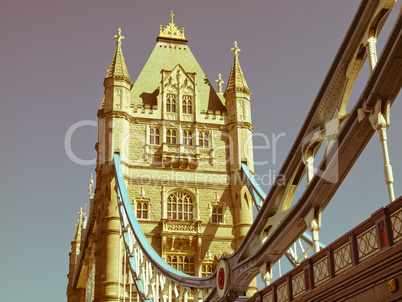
x=179, y=161
x=187, y=117
x=170, y=148
x=204, y=149
x=172, y=226
x=171, y=115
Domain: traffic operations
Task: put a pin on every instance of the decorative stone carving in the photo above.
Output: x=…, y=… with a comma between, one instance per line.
x=142, y=192
x=392, y=285
x=181, y=227
x=180, y=245
x=171, y=116
x=171, y=30
x=187, y=117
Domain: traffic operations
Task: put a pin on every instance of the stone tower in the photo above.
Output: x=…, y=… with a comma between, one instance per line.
x=239, y=127
x=181, y=145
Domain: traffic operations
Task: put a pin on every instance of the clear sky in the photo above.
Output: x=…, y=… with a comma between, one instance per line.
x=53, y=58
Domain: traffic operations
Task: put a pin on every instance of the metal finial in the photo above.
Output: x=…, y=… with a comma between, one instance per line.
x=171, y=17
x=171, y=31
x=235, y=49
x=119, y=37
x=219, y=81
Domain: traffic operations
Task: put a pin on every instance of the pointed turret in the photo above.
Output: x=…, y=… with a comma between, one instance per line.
x=236, y=82
x=73, y=293
x=115, y=104
x=237, y=93
x=117, y=81
x=118, y=68
x=237, y=97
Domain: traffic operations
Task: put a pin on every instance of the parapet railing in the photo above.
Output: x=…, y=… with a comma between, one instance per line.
x=381, y=231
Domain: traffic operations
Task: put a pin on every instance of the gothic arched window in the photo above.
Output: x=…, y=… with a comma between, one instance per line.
x=154, y=136
x=184, y=106
x=203, y=139
x=187, y=138
x=171, y=136
x=180, y=206
x=142, y=210
x=187, y=104
x=185, y=264
x=207, y=270
x=171, y=103
x=189, y=107
x=217, y=214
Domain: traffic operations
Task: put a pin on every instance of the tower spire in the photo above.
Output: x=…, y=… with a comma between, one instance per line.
x=117, y=82
x=118, y=69
x=236, y=81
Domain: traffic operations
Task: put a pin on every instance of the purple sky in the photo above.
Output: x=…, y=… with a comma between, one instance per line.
x=53, y=58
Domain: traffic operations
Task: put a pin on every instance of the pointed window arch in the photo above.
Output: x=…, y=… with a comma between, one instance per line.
x=171, y=103
x=217, y=214
x=184, y=109
x=207, y=270
x=171, y=136
x=183, y=263
x=187, y=104
x=187, y=138
x=142, y=210
x=154, y=136
x=180, y=206
x=203, y=139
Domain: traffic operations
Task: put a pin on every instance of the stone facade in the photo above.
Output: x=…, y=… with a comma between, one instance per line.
x=181, y=146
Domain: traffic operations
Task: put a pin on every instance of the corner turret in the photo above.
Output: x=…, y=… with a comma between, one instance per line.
x=115, y=106
x=237, y=96
x=74, y=294
x=117, y=81
x=237, y=83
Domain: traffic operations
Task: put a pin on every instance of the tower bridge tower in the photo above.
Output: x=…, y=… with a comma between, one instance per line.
x=181, y=145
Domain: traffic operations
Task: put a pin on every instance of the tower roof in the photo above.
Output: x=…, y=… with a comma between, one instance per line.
x=118, y=69
x=170, y=52
x=236, y=81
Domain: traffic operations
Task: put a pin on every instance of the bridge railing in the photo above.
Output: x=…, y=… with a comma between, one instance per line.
x=381, y=231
